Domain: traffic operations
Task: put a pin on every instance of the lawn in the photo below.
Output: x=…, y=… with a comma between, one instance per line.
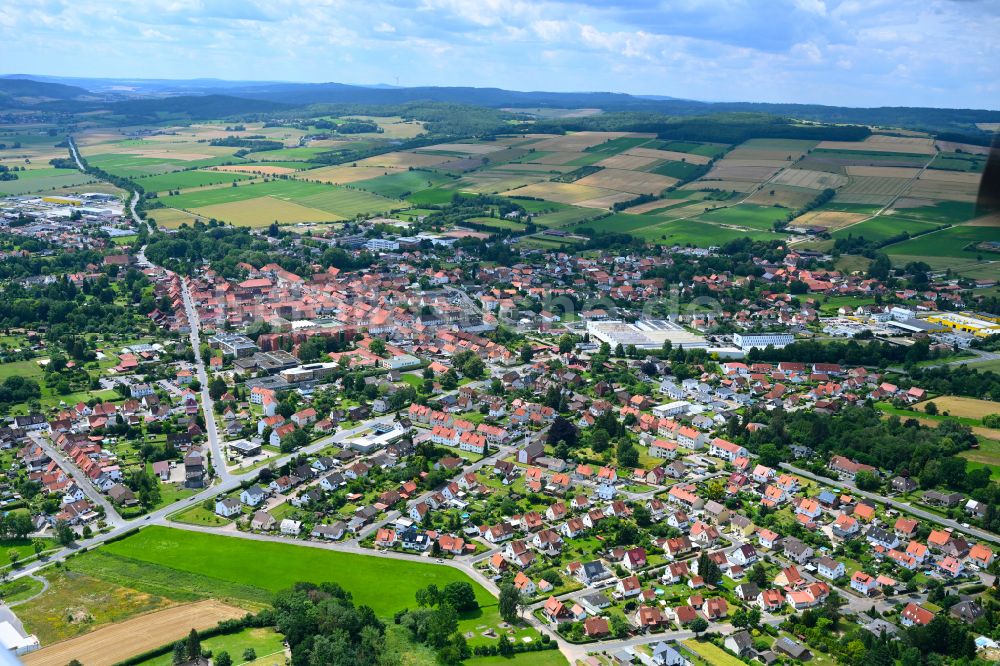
x=265, y=643
x=268, y=567
x=199, y=515
x=19, y=589
x=712, y=654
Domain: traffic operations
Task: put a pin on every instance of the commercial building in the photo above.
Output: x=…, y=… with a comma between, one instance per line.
x=761, y=340
x=644, y=334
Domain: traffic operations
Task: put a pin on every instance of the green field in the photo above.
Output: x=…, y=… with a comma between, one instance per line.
x=699, y=234
x=704, y=149
x=43, y=180
x=329, y=198
x=431, y=197
x=615, y=146
x=563, y=217
x=882, y=228
x=131, y=166
x=208, y=565
x=761, y=218
x=959, y=162
x=399, y=185
x=679, y=170
x=180, y=180
x=948, y=212
x=862, y=156
x=265, y=643
x=618, y=223
x=950, y=242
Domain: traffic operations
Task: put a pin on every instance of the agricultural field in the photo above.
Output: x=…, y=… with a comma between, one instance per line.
x=133, y=166
x=969, y=408
x=119, y=641
x=262, y=211
x=181, y=180
x=340, y=201
x=43, y=180
x=399, y=185
x=945, y=212
x=746, y=216
x=831, y=219
x=633, y=182
x=784, y=196
x=884, y=227
x=344, y=174
x=957, y=242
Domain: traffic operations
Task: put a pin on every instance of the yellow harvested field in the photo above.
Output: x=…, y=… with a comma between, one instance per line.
x=671, y=155
x=831, y=219
x=560, y=192
x=883, y=172
x=636, y=182
x=171, y=218
x=117, y=642
x=626, y=161
x=969, y=408
x=917, y=146
x=952, y=177
x=262, y=211
x=404, y=160
x=815, y=180
x=339, y=175
x=467, y=148
x=606, y=201
x=263, y=169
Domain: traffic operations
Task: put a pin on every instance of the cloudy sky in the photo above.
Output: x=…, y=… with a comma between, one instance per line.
x=847, y=52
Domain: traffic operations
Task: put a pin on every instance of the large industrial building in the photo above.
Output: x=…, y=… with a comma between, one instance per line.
x=644, y=334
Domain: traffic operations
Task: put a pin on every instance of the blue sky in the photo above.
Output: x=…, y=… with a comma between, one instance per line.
x=845, y=52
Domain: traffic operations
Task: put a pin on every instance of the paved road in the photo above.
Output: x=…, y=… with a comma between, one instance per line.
x=82, y=480
x=901, y=506
x=207, y=404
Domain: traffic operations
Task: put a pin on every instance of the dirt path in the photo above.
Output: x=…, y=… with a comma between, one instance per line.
x=111, y=644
